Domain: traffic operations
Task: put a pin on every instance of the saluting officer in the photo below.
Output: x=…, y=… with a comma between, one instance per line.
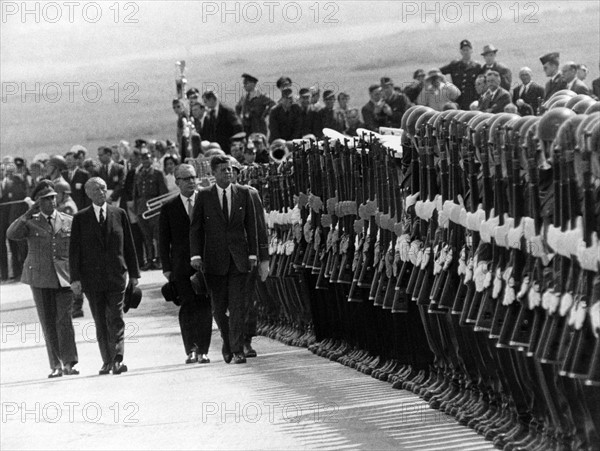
x=463, y=73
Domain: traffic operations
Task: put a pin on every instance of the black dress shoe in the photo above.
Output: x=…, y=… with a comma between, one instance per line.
x=69, y=370
x=119, y=367
x=239, y=357
x=105, y=369
x=56, y=372
x=204, y=358
x=192, y=357
x=249, y=351
x=227, y=356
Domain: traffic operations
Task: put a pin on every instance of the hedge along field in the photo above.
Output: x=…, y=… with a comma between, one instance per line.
x=112, y=95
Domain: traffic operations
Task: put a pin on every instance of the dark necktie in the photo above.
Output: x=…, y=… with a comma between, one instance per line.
x=101, y=220
x=189, y=207
x=49, y=218
x=225, y=206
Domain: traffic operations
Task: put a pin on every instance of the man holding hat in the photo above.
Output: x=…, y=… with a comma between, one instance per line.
x=463, y=73
x=556, y=83
x=46, y=271
x=101, y=256
x=253, y=108
x=195, y=317
x=437, y=91
x=489, y=54
x=284, y=120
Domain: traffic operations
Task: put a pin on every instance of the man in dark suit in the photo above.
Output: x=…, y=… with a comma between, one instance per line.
x=527, y=96
x=133, y=166
x=112, y=173
x=220, y=123
x=76, y=177
x=551, y=63
x=489, y=55
x=195, y=317
x=101, y=255
x=569, y=75
x=46, y=271
x=223, y=245
x=495, y=98
x=376, y=112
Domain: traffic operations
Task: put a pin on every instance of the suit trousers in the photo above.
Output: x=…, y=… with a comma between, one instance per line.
x=107, y=310
x=229, y=293
x=195, y=318
x=54, y=311
x=149, y=228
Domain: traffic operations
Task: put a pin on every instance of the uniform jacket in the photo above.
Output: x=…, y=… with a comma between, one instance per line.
x=174, y=242
x=399, y=103
x=77, y=183
x=47, y=262
x=371, y=119
x=148, y=184
x=553, y=85
x=218, y=241
x=532, y=97
x=286, y=124
x=496, y=102
x=224, y=126
x=101, y=261
x=254, y=111
x=463, y=76
x=505, y=74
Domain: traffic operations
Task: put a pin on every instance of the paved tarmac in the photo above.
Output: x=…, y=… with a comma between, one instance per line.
x=287, y=398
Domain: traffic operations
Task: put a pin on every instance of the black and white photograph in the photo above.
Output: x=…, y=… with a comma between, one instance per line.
x=302, y=225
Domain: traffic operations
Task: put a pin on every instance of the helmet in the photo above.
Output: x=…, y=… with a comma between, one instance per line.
x=422, y=120
x=566, y=136
x=461, y=120
x=563, y=92
x=559, y=102
x=582, y=106
x=550, y=122
x=412, y=119
x=586, y=125
x=573, y=100
x=514, y=126
x=406, y=115
x=529, y=127
x=58, y=161
x=593, y=108
x=496, y=123
x=480, y=131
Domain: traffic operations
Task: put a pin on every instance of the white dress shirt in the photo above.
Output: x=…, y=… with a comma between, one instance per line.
x=97, y=211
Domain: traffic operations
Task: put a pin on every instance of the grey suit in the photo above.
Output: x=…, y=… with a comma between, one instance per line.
x=46, y=271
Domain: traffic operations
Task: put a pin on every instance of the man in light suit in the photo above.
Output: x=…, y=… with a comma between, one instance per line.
x=527, y=95
x=495, y=98
x=195, y=317
x=223, y=245
x=101, y=256
x=46, y=271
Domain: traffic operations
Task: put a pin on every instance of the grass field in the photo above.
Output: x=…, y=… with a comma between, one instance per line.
x=341, y=61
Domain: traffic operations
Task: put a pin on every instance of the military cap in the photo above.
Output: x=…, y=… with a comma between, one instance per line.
x=43, y=189
x=386, y=81
x=373, y=88
x=139, y=143
x=418, y=73
x=283, y=80
x=489, y=48
x=19, y=161
x=304, y=92
x=287, y=92
x=550, y=58
x=327, y=95
x=249, y=78
x=238, y=136
x=465, y=43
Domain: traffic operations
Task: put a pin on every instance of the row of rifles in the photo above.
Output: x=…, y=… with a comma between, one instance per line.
x=465, y=269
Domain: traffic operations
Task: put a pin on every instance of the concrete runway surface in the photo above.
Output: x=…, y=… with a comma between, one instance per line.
x=287, y=398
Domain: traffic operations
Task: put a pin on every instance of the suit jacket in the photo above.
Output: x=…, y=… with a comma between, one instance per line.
x=114, y=178
x=532, y=98
x=505, y=74
x=77, y=183
x=217, y=240
x=254, y=112
x=399, y=103
x=47, y=262
x=553, y=86
x=174, y=241
x=580, y=87
x=596, y=88
x=224, y=126
x=496, y=102
x=100, y=261
x=372, y=120
x=286, y=124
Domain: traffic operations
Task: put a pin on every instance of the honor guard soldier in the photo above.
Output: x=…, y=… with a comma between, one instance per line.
x=489, y=54
x=550, y=62
x=253, y=108
x=463, y=73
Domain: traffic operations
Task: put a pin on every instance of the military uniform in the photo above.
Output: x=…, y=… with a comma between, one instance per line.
x=253, y=110
x=463, y=76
